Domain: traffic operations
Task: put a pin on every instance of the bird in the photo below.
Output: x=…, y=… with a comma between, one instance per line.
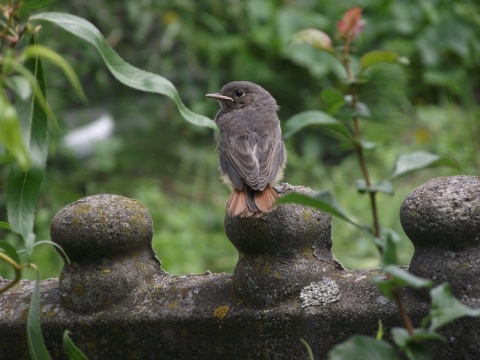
x=251, y=151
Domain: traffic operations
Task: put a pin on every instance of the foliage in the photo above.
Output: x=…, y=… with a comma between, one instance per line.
x=201, y=45
x=23, y=121
x=340, y=106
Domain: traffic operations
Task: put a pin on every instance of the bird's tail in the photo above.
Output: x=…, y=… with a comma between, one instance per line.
x=248, y=202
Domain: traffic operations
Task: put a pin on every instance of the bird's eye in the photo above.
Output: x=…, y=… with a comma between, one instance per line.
x=239, y=93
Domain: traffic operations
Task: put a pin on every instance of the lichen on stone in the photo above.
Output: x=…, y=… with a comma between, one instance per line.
x=221, y=312
x=320, y=293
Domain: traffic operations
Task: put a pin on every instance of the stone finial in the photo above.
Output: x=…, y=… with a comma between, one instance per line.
x=108, y=241
x=281, y=252
x=442, y=219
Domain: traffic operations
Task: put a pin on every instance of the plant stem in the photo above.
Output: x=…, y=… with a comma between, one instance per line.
x=358, y=145
x=403, y=313
x=16, y=267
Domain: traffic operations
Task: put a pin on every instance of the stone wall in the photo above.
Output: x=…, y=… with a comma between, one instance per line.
x=119, y=303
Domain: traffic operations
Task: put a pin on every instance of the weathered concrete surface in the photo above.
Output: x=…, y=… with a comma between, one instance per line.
x=270, y=269
x=119, y=303
x=197, y=317
x=108, y=239
x=442, y=219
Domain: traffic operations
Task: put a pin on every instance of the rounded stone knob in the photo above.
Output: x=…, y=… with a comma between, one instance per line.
x=107, y=239
x=442, y=219
x=280, y=252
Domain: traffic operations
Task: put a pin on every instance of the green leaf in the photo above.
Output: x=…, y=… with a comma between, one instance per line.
x=366, y=145
x=360, y=347
x=19, y=85
x=361, y=109
x=39, y=51
x=402, y=338
x=384, y=186
x=121, y=70
x=39, y=94
x=323, y=200
x=381, y=331
x=399, y=278
x=314, y=117
x=10, y=251
x=410, y=163
x=404, y=278
x=24, y=186
x=73, y=352
x=5, y=225
x=55, y=245
x=11, y=133
x=332, y=100
x=377, y=57
x=36, y=345
x=388, y=243
x=36, y=4
x=316, y=38
x=309, y=349
x=446, y=308
x=411, y=344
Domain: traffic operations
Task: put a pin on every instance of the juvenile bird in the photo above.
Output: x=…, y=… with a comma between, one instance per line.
x=250, y=148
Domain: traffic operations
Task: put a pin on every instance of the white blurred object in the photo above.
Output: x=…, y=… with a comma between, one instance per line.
x=83, y=139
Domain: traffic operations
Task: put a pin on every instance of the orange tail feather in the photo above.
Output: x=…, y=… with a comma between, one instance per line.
x=265, y=200
x=237, y=203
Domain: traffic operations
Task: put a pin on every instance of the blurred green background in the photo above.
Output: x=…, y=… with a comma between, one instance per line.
x=155, y=156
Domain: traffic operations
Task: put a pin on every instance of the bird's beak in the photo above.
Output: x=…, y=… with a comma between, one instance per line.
x=219, y=97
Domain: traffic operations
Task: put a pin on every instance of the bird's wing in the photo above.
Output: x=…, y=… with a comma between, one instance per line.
x=252, y=159
x=271, y=156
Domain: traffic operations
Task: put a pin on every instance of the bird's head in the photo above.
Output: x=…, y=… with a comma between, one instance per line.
x=238, y=94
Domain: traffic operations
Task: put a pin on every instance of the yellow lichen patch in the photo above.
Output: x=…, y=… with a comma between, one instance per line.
x=267, y=269
x=308, y=252
x=79, y=290
x=105, y=271
x=306, y=215
x=173, y=304
x=221, y=312
x=79, y=214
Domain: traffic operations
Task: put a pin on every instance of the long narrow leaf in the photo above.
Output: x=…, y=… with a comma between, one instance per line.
x=36, y=345
x=39, y=94
x=49, y=242
x=5, y=225
x=72, y=351
x=323, y=200
x=34, y=51
x=124, y=72
x=11, y=134
x=24, y=186
x=10, y=251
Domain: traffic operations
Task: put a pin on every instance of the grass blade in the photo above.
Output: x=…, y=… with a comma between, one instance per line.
x=72, y=351
x=23, y=187
x=36, y=345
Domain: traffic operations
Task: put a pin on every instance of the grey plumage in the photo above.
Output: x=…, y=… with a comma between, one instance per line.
x=251, y=151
